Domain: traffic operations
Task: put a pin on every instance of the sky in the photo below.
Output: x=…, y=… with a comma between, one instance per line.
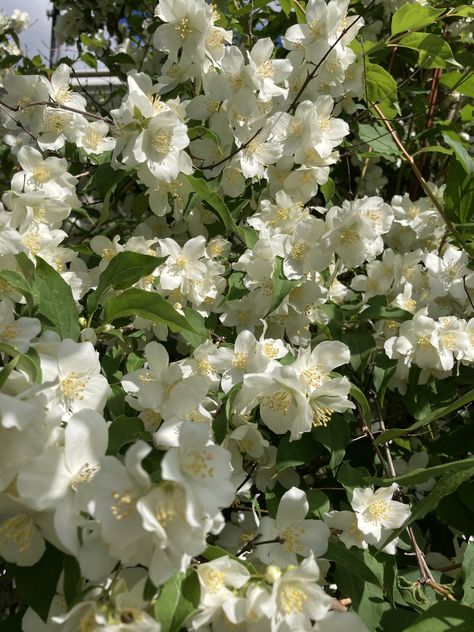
x=37, y=38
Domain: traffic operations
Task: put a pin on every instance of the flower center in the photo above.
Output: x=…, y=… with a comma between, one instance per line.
x=292, y=599
x=292, y=542
x=279, y=401
x=85, y=474
x=213, y=580
x=240, y=360
x=378, y=510
x=17, y=529
x=41, y=174
x=73, y=385
x=199, y=464
x=124, y=504
x=63, y=95
x=183, y=28
x=162, y=142
x=349, y=237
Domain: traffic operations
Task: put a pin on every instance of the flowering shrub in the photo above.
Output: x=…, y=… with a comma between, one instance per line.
x=237, y=319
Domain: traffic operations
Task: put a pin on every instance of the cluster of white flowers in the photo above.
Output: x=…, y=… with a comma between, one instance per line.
x=259, y=128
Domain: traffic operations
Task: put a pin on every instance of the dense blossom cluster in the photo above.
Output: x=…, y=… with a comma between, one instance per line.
x=152, y=509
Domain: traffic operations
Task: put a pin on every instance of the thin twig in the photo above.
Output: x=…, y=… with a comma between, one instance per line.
x=459, y=238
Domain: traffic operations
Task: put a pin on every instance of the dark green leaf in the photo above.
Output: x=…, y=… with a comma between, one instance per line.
x=293, y=453
x=464, y=400
x=125, y=269
x=149, y=305
x=281, y=286
x=39, y=594
x=443, y=617
x=419, y=475
x=334, y=436
x=459, y=192
x=351, y=560
x=55, y=304
x=215, y=203
x=122, y=431
x=72, y=583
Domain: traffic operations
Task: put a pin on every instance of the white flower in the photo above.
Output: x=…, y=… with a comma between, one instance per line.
x=60, y=92
x=73, y=368
x=345, y=522
x=283, y=405
x=183, y=265
x=163, y=511
x=298, y=598
x=54, y=479
x=298, y=536
x=203, y=469
x=20, y=332
x=376, y=510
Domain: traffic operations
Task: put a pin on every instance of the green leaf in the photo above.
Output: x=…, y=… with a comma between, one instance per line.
x=377, y=312
x=72, y=583
x=318, y=503
x=286, y=6
x=328, y=189
x=443, y=617
x=149, y=305
x=465, y=11
x=433, y=50
x=437, y=149
x=380, y=89
x=351, y=561
x=361, y=346
x=39, y=594
x=459, y=82
x=249, y=235
x=459, y=193
x=378, y=138
x=179, y=598
x=294, y=453
x=352, y=578
x=461, y=152
x=28, y=362
x=393, y=433
x=198, y=323
x=215, y=203
x=125, y=269
x=281, y=286
x=17, y=282
x=411, y=17
x=361, y=399
x=468, y=575
x=419, y=475
x=165, y=607
x=106, y=178
x=13, y=623
x=122, y=431
x=56, y=307
x=335, y=437
x=27, y=267
x=7, y=369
